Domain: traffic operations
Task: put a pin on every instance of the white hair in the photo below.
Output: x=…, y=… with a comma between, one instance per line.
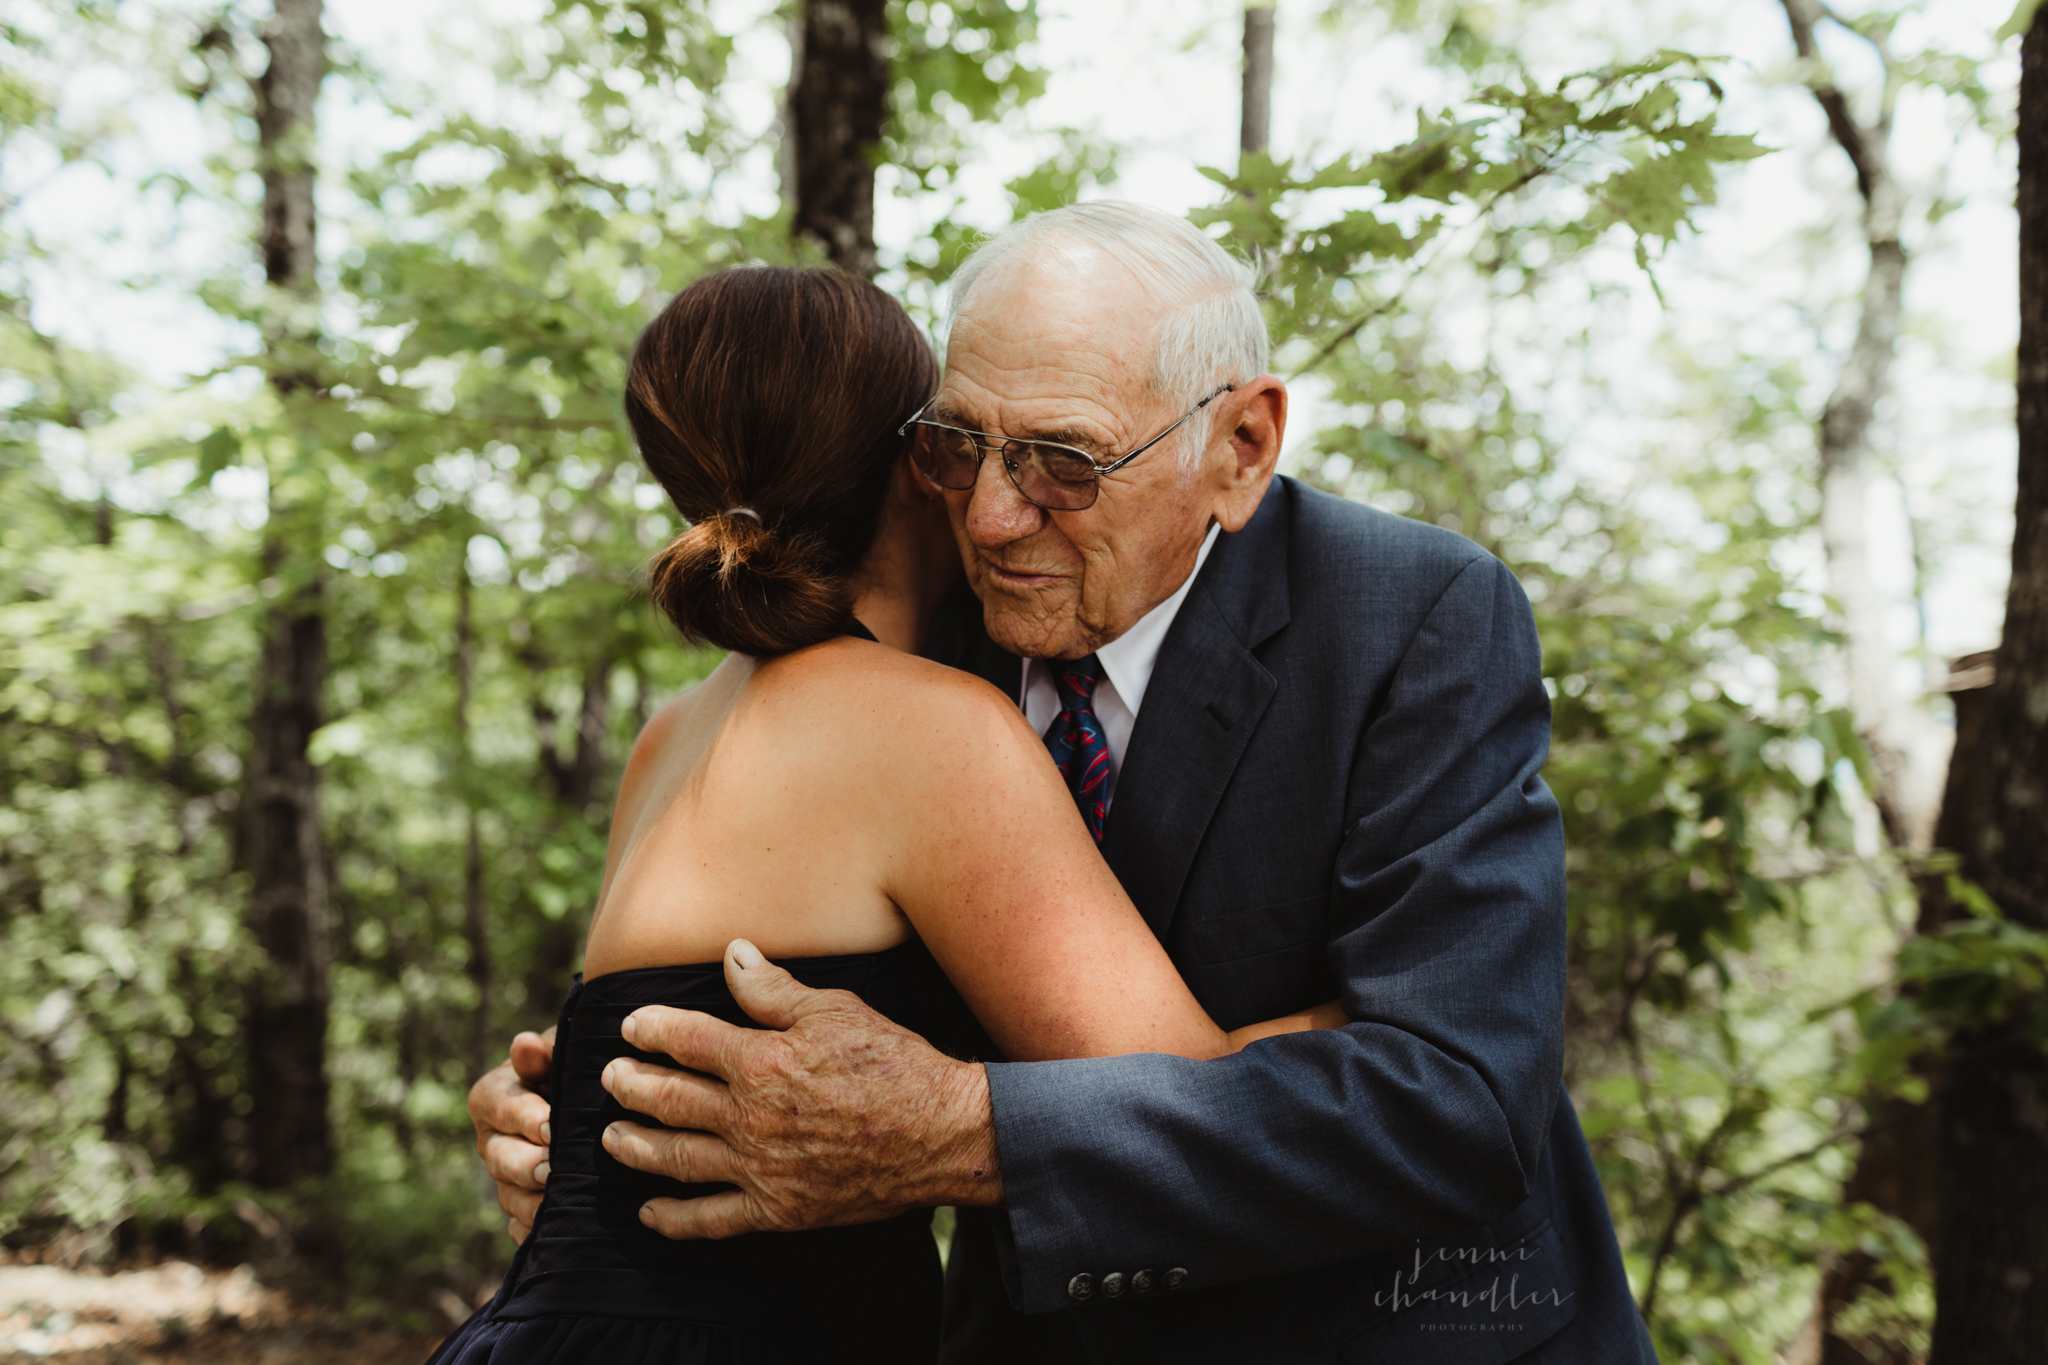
x=1210, y=331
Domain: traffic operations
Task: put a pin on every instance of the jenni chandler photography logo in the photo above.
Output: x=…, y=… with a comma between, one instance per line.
x=1504, y=1293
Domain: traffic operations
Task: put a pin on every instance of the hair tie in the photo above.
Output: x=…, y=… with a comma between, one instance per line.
x=744, y=512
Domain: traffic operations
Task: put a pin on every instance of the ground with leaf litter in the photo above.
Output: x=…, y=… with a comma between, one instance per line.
x=175, y=1313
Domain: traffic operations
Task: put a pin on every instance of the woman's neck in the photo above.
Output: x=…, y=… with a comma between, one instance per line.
x=908, y=574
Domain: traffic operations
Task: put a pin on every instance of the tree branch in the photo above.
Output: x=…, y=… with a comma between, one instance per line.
x=1854, y=139
x=1435, y=249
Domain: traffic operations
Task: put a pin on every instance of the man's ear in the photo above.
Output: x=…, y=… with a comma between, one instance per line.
x=912, y=486
x=1256, y=413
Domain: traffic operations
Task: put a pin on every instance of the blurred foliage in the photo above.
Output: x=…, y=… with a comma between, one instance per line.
x=465, y=476
x=1975, y=973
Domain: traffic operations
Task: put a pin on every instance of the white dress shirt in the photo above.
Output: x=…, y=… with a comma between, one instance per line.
x=1126, y=672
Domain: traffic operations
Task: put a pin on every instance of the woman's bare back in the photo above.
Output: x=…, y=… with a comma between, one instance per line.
x=732, y=822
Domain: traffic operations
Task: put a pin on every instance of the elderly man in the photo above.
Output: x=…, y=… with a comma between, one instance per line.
x=1322, y=728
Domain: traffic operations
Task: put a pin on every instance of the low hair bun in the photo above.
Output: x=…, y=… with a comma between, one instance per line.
x=732, y=582
x=770, y=404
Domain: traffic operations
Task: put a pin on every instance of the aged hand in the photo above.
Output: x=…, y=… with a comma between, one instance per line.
x=509, y=1107
x=829, y=1115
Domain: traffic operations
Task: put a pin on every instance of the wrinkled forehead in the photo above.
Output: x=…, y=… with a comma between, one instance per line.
x=1067, y=327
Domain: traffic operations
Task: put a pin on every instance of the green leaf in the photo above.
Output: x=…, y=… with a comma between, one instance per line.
x=220, y=448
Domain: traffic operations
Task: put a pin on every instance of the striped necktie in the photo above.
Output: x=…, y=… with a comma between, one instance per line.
x=1076, y=740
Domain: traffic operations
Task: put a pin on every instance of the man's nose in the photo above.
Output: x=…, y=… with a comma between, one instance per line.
x=996, y=512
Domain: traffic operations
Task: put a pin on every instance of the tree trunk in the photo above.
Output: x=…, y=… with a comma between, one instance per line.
x=839, y=95
x=200, y=1119
x=1991, y=1273
x=287, y=1017
x=1898, y=1163
x=287, y=1022
x=1905, y=746
x=1893, y=1171
x=576, y=778
x=115, y=1125
x=577, y=781
x=473, y=922
x=1255, y=123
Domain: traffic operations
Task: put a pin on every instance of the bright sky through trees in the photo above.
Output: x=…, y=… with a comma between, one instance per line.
x=1156, y=80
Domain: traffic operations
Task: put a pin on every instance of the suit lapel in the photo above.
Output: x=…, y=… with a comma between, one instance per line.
x=1206, y=697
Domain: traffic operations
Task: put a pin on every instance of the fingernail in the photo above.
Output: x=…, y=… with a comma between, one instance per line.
x=611, y=1139
x=627, y=1029
x=647, y=1215
x=610, y=1070
x=547, y=1134
x=745, y=955
x=540, y=1172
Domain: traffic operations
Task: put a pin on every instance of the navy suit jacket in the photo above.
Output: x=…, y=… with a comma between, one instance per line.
x=1332, y=790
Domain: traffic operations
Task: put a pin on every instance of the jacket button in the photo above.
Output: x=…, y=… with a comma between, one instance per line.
x=1144, y=1281
x=1176, y=1277
x=1113, y=1285
x=1081, y=1288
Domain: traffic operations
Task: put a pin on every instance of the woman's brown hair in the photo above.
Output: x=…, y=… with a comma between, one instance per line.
x=779, y=391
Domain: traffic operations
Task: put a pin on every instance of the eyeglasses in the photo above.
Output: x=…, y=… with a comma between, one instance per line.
x=1056, y=477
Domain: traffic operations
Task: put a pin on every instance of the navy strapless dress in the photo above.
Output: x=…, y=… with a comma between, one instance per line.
x=592, y=1284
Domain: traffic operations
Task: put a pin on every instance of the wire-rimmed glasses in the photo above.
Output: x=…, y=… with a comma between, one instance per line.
x=1059, y=478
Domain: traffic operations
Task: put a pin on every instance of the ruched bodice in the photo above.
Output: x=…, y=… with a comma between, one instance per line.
x=592, y=1283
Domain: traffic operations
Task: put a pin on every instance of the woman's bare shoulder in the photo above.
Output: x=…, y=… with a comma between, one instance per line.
x=874, y=698
x=696, y=707
x=861, y=671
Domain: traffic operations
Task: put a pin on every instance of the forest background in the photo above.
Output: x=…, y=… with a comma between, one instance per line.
x=321, y=639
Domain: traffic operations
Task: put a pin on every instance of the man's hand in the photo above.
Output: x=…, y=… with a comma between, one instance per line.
x=829, y=1115
x=509, y=1107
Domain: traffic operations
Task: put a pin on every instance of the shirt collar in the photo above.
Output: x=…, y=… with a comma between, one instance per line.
x=1127, y=660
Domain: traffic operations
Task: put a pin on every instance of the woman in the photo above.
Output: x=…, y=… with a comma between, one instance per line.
x=868, y=819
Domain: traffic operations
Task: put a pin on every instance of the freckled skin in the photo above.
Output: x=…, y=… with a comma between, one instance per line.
x=1065, y=346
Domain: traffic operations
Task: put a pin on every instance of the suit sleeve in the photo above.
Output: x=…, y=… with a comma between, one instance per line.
x=1425, y=1115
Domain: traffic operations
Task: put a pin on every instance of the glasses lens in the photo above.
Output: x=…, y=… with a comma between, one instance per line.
x=947, y=457
x=1054, y=477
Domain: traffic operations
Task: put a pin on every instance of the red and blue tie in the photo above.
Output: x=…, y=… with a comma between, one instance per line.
x=1076, y=740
